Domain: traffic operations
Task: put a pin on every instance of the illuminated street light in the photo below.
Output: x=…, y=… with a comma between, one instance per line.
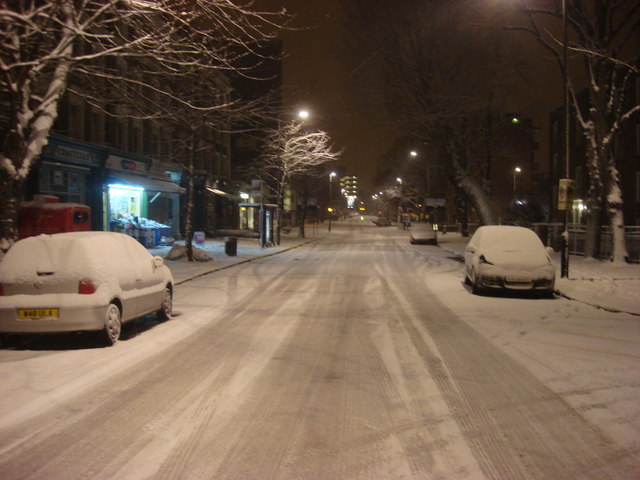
x=303, y=114
x=516, y=171
x=330, y=210
x=413, y=153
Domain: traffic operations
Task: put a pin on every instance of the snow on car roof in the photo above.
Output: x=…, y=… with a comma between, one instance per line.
x=508, y=235
x=73, y=255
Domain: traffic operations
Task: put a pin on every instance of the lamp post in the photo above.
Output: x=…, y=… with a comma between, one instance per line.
x=399, y=180
x=330, y=210
x=414, y=154
x=564, y=256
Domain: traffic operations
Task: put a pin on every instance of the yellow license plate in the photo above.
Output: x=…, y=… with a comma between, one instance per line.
x=37, y=313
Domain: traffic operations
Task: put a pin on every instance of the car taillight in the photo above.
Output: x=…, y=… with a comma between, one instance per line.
x=86, y=287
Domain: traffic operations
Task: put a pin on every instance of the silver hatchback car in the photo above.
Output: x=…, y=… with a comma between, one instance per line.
x=508, y=258
x=81, y=281
x=423, y=232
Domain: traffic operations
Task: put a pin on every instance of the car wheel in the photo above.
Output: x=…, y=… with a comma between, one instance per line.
x=166, y=308
x=475, y=288
x=112, y=325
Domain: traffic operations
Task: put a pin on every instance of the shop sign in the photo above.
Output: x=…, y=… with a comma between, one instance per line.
x=436, y=202
x=71, y=155
x=115, y=162
x=256, y=187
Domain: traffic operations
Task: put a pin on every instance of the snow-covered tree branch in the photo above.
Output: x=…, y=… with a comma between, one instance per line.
x=122, y=48
x=293, y=151
x=600, y=35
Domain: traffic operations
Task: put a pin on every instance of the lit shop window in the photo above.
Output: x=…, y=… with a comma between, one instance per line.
x=124, y=201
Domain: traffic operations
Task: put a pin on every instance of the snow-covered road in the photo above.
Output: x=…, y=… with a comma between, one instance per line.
x=359, y=356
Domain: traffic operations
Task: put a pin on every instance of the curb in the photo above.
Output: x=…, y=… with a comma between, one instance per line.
x=257, y=257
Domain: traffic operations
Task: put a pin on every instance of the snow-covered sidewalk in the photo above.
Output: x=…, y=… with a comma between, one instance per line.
x=597, y=283
x=247, y=250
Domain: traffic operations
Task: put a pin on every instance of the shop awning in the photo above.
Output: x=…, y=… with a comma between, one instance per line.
x=147, y=183
x=217, y=191
x=257, y=205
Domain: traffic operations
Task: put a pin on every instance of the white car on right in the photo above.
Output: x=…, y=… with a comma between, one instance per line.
x=505, y=257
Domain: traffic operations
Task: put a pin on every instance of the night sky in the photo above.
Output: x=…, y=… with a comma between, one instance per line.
x=316, y=77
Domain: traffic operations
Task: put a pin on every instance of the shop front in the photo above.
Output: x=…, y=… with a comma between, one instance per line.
x=138, y=204
x=70, y=171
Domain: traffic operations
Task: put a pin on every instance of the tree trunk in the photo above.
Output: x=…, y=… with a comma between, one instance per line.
x=302, y=215
x=619, y=253
x=615, y=215
x=188, y=241
x=23, y=145
x=10, y=195
x=594, y=224
x=476, y=197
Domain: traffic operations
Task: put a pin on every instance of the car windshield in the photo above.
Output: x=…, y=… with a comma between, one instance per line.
x=511, y=239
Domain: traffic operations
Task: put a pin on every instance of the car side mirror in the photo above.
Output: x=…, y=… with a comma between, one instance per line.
x=157, y=262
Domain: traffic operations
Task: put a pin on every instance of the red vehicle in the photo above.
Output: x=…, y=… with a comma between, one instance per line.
x=46, y=214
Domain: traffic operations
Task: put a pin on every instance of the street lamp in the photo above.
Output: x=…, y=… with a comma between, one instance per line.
x=564, y=255
x=399, y=180
x=516, y=171
x=303, y=114
x=330, y=210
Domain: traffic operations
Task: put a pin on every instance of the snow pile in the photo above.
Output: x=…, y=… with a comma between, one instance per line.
x=179, y=252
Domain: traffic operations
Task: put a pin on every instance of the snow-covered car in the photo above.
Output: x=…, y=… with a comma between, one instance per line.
x=508, y=257
x=423, y=232
x=81, y=281
x=381, y=222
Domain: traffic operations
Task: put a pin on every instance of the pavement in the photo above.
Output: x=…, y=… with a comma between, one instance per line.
x=602, y=284
x=247, y=250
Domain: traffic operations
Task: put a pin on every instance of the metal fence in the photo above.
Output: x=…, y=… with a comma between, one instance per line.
x=551, y=235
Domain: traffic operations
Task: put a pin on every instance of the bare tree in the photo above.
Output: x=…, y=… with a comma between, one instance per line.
x=437, y=70
x=293, y=151
x=604, y=38
x=43, y=43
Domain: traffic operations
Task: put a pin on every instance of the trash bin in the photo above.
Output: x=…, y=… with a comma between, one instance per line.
x=230, y=246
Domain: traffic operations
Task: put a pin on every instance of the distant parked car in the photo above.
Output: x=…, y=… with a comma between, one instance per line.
x=423, y=233
x=508, y=257
x=382, y=222
x=81, y=281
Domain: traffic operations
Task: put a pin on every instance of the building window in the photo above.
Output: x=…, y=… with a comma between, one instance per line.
x=75, y=121
x=579, y=182
x=555, y=132
x=67, y=184
x=134, y=143
x=96, y=127
x=124, y=202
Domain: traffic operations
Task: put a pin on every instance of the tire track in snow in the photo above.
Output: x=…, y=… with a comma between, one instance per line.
x=517, y=427
x=86, y=440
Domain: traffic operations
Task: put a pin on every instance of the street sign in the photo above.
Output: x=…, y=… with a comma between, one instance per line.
x=436, y=202
x=566, y=192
